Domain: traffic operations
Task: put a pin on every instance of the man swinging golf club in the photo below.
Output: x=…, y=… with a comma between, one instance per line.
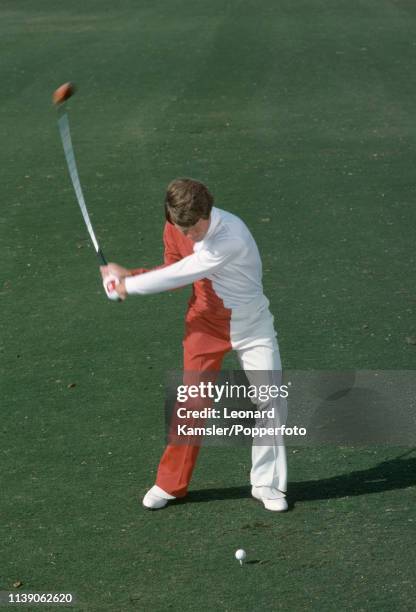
x=215, y=252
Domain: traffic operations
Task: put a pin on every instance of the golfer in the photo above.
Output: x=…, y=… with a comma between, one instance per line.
x=215, y=252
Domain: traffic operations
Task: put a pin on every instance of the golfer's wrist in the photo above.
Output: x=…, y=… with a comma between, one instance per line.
x=121, y=289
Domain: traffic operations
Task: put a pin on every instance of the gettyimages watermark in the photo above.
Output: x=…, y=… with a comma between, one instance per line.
x=236, y=407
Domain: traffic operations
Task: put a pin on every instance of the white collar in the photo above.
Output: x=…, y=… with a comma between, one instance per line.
x=215, y=219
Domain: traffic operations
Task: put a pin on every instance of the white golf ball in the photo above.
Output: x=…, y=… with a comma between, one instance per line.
x=240, y=555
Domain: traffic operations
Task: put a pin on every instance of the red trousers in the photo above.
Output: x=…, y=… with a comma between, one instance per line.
x=205, y=344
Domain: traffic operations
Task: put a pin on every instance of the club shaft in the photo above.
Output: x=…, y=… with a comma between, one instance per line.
x=65, y=133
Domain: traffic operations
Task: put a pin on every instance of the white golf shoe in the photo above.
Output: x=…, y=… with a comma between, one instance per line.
x=272, y=498
x=156, y=498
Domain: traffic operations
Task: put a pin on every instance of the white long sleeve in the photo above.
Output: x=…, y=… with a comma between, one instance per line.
x=201, y=264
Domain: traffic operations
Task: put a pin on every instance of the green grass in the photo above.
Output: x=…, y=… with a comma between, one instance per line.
x=300, y=118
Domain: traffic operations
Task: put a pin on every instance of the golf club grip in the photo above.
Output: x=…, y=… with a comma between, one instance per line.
x=101, y=258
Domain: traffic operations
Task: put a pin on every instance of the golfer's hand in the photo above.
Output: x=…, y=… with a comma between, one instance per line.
x=114, y=288
x=114, y=269
x=121, y=290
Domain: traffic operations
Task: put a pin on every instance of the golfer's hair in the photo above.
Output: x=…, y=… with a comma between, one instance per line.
x=187, y=201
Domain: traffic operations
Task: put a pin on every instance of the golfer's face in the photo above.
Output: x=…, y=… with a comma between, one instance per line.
x=195, y=232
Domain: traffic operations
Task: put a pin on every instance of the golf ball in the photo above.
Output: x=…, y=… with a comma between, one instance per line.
x=240, y=555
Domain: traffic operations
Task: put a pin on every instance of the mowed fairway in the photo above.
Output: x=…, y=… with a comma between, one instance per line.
x=300, y=117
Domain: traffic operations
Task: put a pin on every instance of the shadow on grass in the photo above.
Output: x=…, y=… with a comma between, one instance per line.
x=386, y=476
